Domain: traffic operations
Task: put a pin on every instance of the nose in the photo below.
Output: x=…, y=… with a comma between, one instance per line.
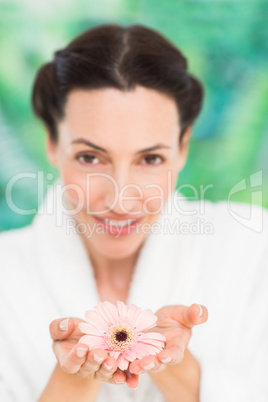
x=124, y=196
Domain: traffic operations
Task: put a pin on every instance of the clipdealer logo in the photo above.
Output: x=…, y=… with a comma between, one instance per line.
x=251, y=215
x=178, y=226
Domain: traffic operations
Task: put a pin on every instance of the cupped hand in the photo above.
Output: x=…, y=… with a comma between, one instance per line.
x=76, y=358
x=175, y=323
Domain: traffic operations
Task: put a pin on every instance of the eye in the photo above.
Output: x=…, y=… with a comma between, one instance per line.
x=153, y=159
x=88, y=159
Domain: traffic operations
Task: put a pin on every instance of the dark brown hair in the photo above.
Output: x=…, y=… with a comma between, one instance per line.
x=114, y=56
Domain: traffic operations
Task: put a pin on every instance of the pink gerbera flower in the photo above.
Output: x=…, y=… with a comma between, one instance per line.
x=121, y=330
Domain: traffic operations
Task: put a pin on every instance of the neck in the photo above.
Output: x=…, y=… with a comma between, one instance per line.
x=106, y=269
x=113, y=276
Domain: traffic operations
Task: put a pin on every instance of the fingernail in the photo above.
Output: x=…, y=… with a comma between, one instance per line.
x=81, y=352
x=108, y=367
x=98, y=359
x=201, y=310
x=64, y=324
x=149, y=366
x=167, y=360
x=119, y=382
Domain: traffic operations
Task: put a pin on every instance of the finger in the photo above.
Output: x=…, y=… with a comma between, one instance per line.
x=62, y=347
x=175, y=347
x=119, y=377
x=132, y=380
x=62, y=328
x=197, y=313
x=107, y=369
x=135, y=367
x=93, y=362
x=190, y=316
x=150, y=364
x=71, y=361
x=172, y=355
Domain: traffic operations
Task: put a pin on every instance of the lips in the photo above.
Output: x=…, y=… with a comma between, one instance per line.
x=119, y=223
x=119, y=226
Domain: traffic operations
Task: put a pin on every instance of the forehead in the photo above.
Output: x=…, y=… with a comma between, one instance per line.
x=113, y=117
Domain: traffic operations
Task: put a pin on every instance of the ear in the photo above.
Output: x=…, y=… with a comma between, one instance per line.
x=184, y=147
x=51, y=150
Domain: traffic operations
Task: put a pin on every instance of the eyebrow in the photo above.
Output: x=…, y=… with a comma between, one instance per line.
x=90, y=144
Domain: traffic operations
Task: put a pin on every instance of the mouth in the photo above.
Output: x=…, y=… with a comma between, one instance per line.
x=119, y=224
x=118, y=227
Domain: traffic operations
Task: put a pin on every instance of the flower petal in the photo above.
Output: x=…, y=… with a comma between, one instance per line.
x=111, y=312
x=101, y=310
x=89, y=329
x=143, y=349
x=129, y=355
x=145, y=320
x=151, y=349
x=153, y=336
x=139, y=349
x=154, y=342
x=132, y=313
x=122, y=309
x=96, y=320
x=122, y=363
x=114, y=353
x=93, y=341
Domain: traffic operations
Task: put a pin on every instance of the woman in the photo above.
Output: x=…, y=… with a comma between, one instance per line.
x=118, y=105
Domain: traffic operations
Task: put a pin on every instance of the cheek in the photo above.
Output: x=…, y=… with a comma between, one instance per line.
x=157, y=194
x=73, y=186
x=90, y=190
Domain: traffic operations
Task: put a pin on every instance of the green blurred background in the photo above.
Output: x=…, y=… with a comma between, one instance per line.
x=226, y=43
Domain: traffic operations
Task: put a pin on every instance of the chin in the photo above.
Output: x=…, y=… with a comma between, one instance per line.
x=117, y=248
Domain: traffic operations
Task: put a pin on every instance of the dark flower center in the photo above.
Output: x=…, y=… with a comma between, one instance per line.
x=121, y=336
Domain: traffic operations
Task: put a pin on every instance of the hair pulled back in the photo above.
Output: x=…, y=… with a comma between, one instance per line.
x=114, y=56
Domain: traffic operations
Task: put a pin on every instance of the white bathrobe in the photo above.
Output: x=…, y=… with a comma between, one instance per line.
x=215, y=256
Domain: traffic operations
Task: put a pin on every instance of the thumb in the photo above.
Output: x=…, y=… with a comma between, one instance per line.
x=190, y=316
x=194, y=315
x=63, y=328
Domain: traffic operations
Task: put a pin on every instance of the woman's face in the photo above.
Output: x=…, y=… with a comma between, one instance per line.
x=118, y=155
